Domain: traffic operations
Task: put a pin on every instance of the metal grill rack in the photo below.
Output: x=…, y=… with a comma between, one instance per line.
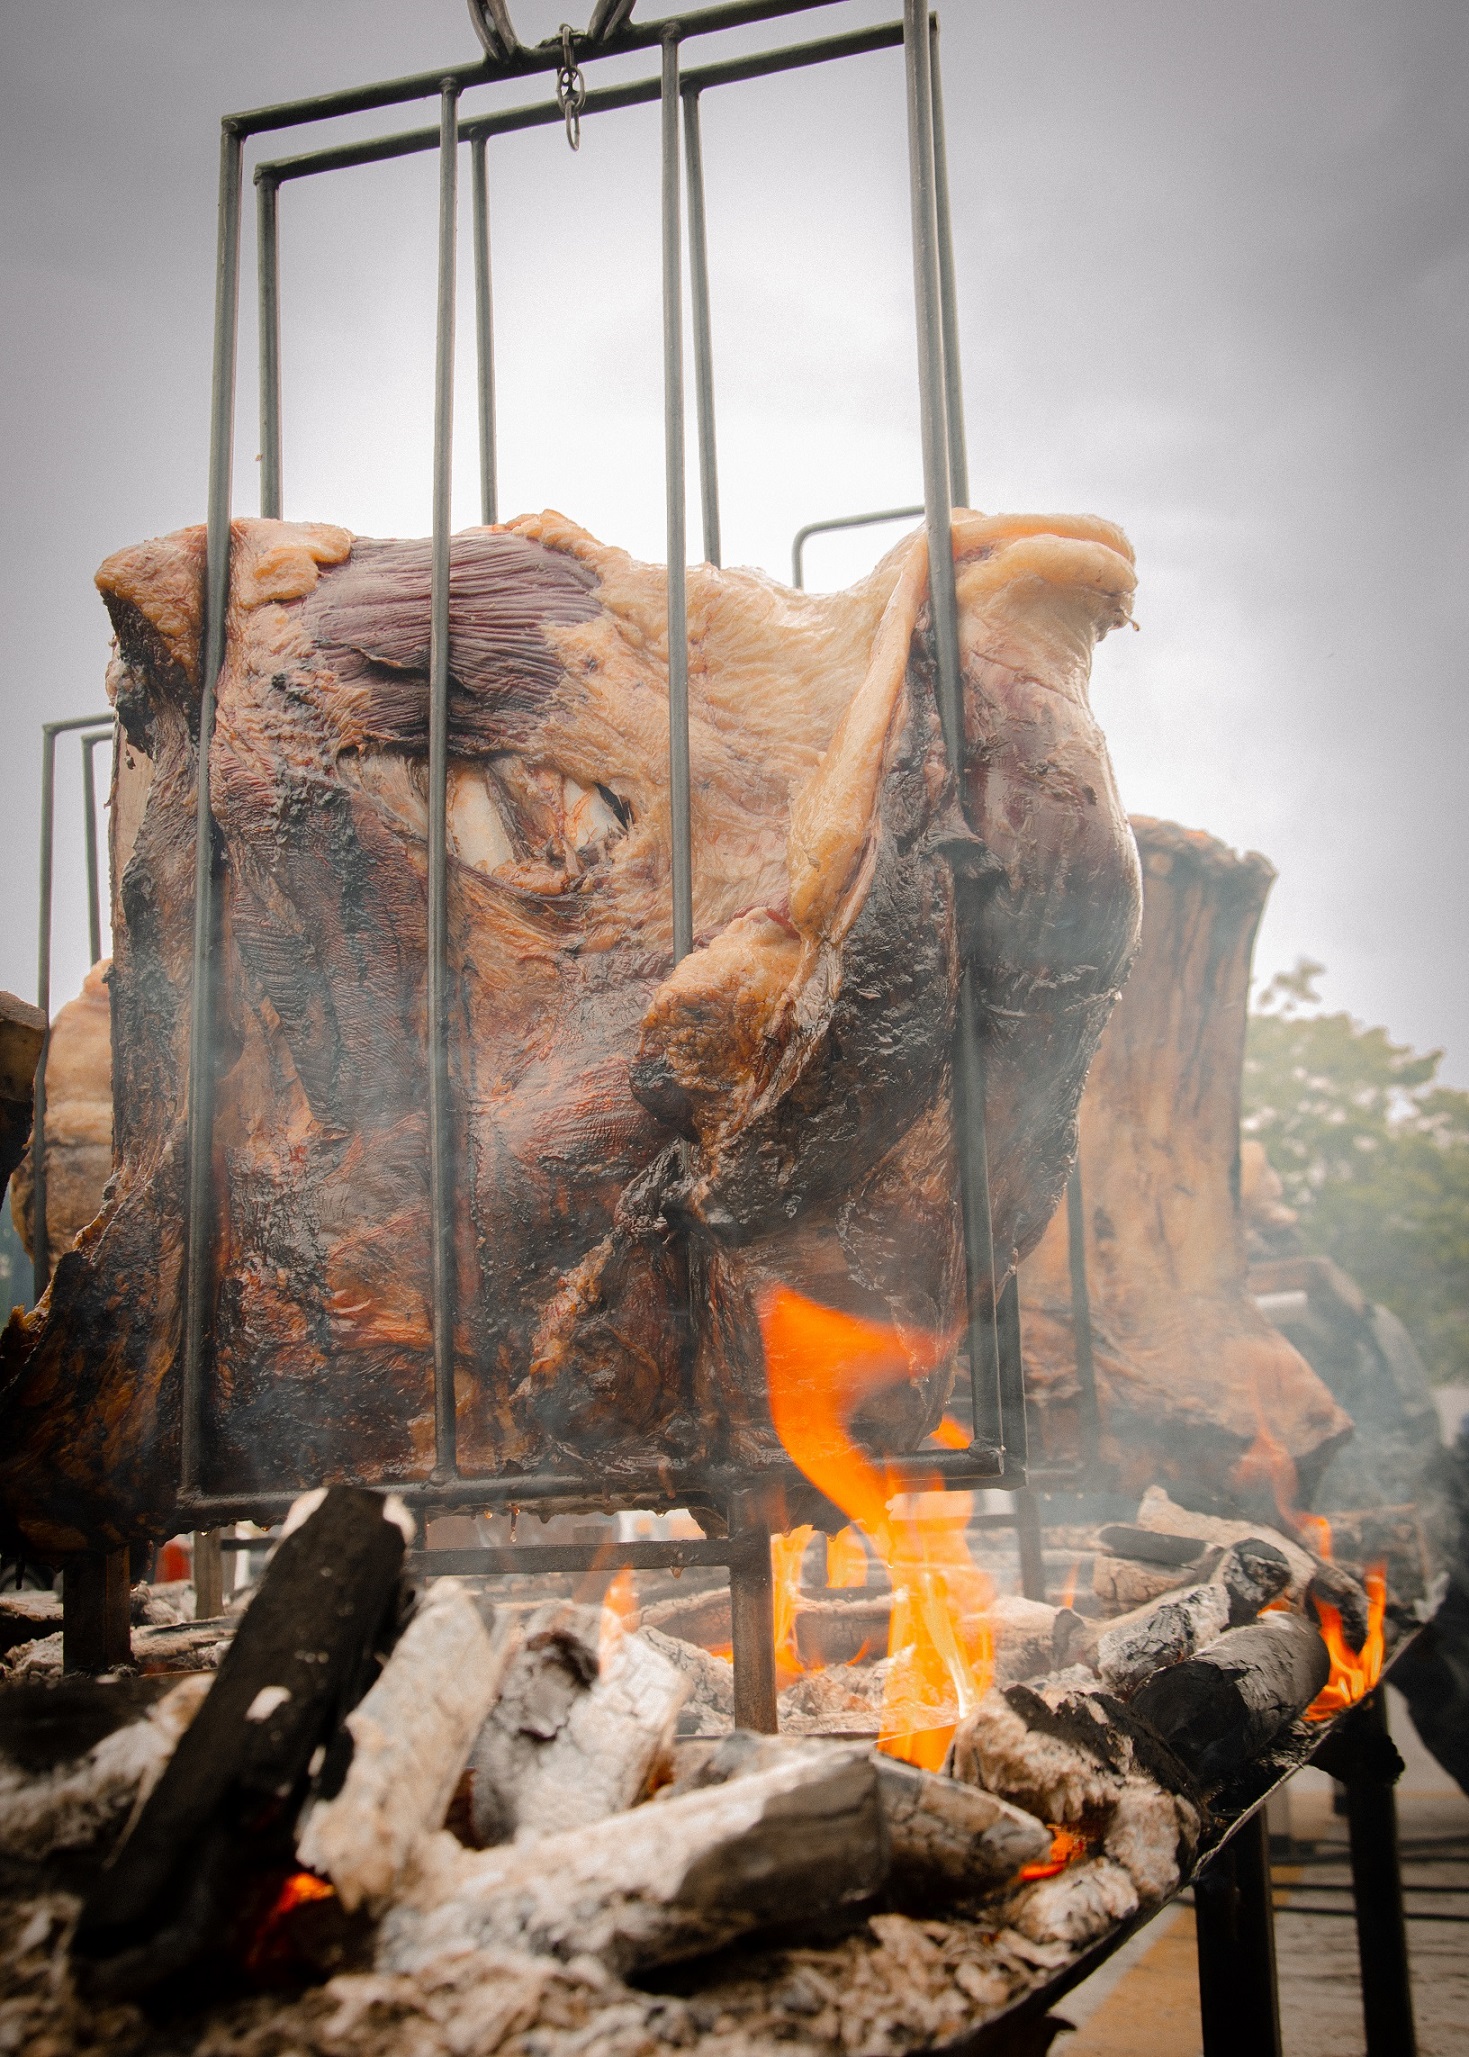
x=997, y=1454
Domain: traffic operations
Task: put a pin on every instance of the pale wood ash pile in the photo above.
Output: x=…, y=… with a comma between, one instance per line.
x=432, y=1822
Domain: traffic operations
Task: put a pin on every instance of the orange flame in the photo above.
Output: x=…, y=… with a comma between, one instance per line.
x=1353, y=1672
x=1268, y=1462
x=820, y=1366
x=787, y=1553
x=269, y=1944
x=619, y=1612
x=846, y=1559
x=1066, y=1847
x=1068, y=1591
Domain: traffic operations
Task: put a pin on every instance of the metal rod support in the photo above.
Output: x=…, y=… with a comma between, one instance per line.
x=96, y=1624
x=197, y=1268
x=948, y=294
x=1015, y=1435
x=493, y=1560
x=703, y=334
x=50, y=730
x=441, y=1187
x=208, y=1575
x=89, y=819
x=1089, y=1416
x=840, y=521
x=680, y=823
x=969, y=1099
x=752, y=1621
x=1239, y=2007
x=484, y=334
x=268, y=285
x=1029, y=1545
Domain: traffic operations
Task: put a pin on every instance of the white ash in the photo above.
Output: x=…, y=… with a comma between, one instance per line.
x=1153, y=1835
x=1077, y=1905
x=1024, y=1637
x=1156, y=1511
x=709, y=1709
x=76, y=1805
x=1046, y=1774
x=845, y=1699
x=411, y=1736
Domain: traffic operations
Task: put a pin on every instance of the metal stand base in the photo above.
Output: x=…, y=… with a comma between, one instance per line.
x=1238, y=2003
x=1362, y=1755
x=752, y=1621
x=96, y=1600
x=208, y=1574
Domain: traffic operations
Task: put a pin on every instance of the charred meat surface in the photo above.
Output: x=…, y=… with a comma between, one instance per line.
x=640, y=1147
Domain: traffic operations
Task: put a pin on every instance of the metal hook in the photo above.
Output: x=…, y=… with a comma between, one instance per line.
x=571, y=88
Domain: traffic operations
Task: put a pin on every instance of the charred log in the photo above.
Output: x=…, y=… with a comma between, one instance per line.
x=1228, y=1703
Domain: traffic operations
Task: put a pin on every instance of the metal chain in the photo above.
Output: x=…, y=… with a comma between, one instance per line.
x=571, y=89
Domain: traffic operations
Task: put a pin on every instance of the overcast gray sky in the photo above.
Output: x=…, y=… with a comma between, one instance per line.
x=1214, y=274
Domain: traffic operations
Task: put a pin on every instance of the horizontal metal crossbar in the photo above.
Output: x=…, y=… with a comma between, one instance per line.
x=524, y=63
x=607, y=99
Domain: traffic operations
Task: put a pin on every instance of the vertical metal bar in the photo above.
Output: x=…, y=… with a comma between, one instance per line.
x=1377, y=1886
x=1239, y=2006
x=953, y=381
x=40, y=1244
x=484, y=332
x=268, y=268
x=1012, y=1375
x=89, y=818
x=96, y=1618
x=1089, y=1417
x=969, y=1107
x=197, y=1279
x=703, y=330
x=680, y=825
x=208, y=1575
x=752, y=1618
x=441, y=1191
x=1030, y=1545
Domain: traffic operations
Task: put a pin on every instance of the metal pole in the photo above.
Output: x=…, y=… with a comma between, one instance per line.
x=40, y=1246
x=89, y=817
x=953, y=382
x=1089, y=1417
x=841, y=521
x=197, y=1280
x=269, y=292
x=1030, y=1545
x=703, y=332
x=1377, y=1883
x=969, y=1107
x=680, y=825
x=752, y=1617
x=1239, y=2007
x=441, y=1190
x=484, y=332
x=1012, y=1377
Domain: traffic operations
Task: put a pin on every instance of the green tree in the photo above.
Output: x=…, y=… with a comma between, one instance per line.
x=1373, y=1154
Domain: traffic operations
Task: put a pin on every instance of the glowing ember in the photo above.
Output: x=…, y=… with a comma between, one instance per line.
x=1353, y=1672
x=1066, y=1847
x=820, y=1366
x=846, y=1559
x=786, y=1556
x=269, y=1944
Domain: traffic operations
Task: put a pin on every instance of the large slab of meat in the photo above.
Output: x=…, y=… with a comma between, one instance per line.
x=1197, y=1390
x=638, y=1147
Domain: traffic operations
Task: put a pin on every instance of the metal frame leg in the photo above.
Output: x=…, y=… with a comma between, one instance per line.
x=752, y=1619
x=1377, y=1881
x=96, y=1603
x=1238, y=2002
x=1028, y=1541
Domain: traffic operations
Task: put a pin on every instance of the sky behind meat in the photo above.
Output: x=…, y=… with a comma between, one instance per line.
x=1214, y=281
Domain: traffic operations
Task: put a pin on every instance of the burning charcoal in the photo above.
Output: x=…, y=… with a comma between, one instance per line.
x=411, y=1737
x=1015, y=1745
x=1334, y=1586
x=663, y=1882
x=709, y=1709
x=1169, y=1553
x=1253, y=1572
x=80, y=1802
x=842, y=1631
x=1165, y=1516
x=942, y=1832
x=1071, y=1638
x=577, y=1733
x=1076, y=1906
x=1165, y=1633
x=27, y=1618
x=845, y=1699
x=227, y=1802
x=182, y=1646
x=1224, y=1705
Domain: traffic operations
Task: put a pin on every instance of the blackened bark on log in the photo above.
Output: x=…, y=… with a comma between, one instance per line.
x=1227, y=1703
